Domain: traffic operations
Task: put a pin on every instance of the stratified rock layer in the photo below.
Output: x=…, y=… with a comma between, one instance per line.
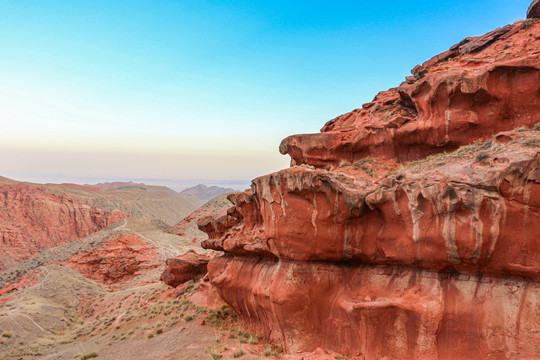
x=381, y=312
x=33, y=219
x=436, y=259
x=479, y=87
x=116, y=260
x=534, y=10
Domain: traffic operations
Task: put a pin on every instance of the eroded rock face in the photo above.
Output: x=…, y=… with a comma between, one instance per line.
x=472, y=211
x=115, y=260
x=534, y=10
x=438, y=260
x=479, y=87
x=435, y=259
x=378, y=312
x=33, y=219
x=183, y=268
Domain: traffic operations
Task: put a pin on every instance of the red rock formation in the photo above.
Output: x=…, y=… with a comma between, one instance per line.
x=207, y=295
x=378, y=312
x=479, y=87
x=534, y=10
x=438, y=259
x=431, y=216
x=183, y=268
x=115, y=260
x=33, y=219
x=419, y=266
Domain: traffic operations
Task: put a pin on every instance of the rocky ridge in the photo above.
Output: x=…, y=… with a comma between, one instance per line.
x=406, y=229
x=33, y=219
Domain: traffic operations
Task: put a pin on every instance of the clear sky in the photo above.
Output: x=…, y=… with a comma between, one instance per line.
x=202, y=90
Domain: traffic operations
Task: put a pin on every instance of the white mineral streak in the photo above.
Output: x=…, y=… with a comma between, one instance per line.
x=280, y=192
x=472, y=198
x=498, y=217
x=314, y=215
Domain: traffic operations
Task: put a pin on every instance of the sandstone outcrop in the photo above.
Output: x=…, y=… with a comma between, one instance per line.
x=33, y=219
x=479, y=87
x=534, y=10
x=116, y=260
x=434, y=259
x=183, y=268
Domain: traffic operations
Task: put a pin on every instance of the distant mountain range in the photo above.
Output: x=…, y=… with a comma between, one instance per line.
x=206, y=193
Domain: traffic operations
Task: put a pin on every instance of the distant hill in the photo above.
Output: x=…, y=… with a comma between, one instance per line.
x=206, y=193
x=35, y=217
x=188, y=229
x=134, y=199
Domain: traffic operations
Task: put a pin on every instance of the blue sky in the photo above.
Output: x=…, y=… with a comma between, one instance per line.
x=190, y=90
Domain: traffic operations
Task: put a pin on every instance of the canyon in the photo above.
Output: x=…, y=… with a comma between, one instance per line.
x=405, y=229
x=408, y=228
x=82, y=276
x=35, y=217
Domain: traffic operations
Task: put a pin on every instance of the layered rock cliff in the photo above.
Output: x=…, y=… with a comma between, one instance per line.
x=477, y=88
x=410, y=229
x=33, y=219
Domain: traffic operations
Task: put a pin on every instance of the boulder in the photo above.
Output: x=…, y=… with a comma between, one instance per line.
x=183, y=268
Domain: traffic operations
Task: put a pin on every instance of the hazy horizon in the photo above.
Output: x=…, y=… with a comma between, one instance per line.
x=202, y=89
x=174, y=184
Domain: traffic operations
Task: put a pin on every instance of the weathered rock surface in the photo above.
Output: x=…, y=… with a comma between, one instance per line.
x=452, y=212
x=115, y=260
x=378, y=312
x=33, y=219
x=534, y=10
x=436, y=259
x=183, y=268
x=477, y=88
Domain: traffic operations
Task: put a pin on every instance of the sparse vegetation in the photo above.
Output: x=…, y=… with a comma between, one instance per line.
x=532, y=143
x=364, y=165
x=272, y=350
x=343, y=163
x=527, y=23
x=237, y=354
x=219, y=317
x=7, y=334
x=90, y=355
x=481, y=156
x=215, y=352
